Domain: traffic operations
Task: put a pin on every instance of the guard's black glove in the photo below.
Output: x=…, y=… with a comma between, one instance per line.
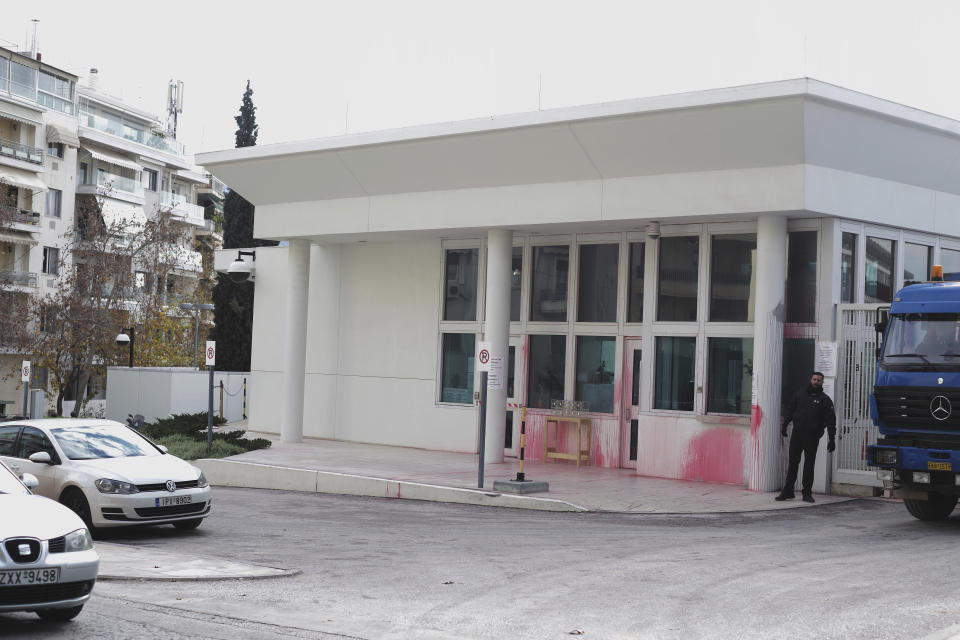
x=783, y=430
x=831, y=445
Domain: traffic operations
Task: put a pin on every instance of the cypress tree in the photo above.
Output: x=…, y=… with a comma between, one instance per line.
x=233, y=301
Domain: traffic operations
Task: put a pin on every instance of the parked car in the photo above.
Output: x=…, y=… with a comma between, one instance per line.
x=47, y=561
x=107, y=473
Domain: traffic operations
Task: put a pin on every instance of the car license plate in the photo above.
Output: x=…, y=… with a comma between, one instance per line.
x=172, y=501
x=29, y=576
x=939, y=466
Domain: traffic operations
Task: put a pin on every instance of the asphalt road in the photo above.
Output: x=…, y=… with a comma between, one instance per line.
x=395, y=569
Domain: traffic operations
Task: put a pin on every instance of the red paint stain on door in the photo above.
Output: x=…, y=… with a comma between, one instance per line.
x=715, y=456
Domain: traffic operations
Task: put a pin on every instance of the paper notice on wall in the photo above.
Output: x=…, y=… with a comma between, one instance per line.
x=753, y=394
x=495, y=377
x=828, y=387
x=825, y=359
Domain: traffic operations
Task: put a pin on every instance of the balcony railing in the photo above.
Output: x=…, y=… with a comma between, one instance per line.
x=107, y=181
x=20, y=278
x=125, y=131
x=19, y=216
x=177, y=204
x=21, y=151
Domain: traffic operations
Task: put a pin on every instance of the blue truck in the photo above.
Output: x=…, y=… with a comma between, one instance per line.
x=916, y=398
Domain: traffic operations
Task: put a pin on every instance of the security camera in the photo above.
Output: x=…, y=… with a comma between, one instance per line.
x=653, y=230
x=123, y=340
x=240, y=270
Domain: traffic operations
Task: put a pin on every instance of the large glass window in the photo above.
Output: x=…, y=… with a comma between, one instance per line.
x=675, y=361
x=55, y=92
x=878, y=276
x=516, y=279
x=677, y=279
x=635, y=282
x=732, y=278
x=730, y=375
x=457, y=368
x=460, y=294
x=916, y=262
x=798, y=364
x=597, y=290
x=848, y=268
x=54, y=202
x=950, y=259
x=23, y=80
x=546, y=377
x=51, y=261
x=4, y=73
x=801, y=286
x=596, y=358
x=548, y=295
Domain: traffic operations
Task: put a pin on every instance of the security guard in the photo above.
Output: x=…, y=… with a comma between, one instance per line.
x=811, y=411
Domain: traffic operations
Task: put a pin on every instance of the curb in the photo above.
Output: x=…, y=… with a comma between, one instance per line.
x=250, y=475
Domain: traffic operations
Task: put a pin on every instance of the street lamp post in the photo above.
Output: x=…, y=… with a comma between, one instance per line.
x=124, y=339
x=196, y=308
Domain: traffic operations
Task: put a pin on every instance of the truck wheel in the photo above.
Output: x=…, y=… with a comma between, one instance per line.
x=937, y=507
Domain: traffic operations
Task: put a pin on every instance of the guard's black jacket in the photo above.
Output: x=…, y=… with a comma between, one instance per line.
x=811, y=411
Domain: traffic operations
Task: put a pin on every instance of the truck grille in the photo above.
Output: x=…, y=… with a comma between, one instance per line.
x=910, y=407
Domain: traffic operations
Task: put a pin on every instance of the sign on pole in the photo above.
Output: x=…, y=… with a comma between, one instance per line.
x=495, y=379
x=211, y=352
x=25, y=371
x=483, y=356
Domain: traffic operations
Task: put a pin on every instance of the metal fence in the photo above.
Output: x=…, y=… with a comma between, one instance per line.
x=857, y=366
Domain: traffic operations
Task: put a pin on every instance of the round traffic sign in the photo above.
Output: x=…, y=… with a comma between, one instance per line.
x=210, y=353
x=484, y=356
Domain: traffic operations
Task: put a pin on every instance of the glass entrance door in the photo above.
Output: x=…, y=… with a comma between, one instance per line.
x=630, y=413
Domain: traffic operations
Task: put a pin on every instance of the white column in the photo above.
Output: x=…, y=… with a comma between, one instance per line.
x=497, y=333
x=764, y=456
x=295, y=340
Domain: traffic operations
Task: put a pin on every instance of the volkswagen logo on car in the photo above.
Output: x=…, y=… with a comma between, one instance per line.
x=940, y=408
x=172, y=486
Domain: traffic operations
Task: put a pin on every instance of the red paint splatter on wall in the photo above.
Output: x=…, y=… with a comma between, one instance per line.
x=756, y=419
x=715, y=455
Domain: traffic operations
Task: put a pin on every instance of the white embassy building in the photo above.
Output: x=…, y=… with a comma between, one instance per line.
x=677, y=263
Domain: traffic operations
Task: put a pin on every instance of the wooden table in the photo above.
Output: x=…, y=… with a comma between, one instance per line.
x=583, y=424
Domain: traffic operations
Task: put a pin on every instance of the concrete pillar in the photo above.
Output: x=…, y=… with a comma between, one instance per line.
x=764, y=456
x=295, y=340
x=497, y=333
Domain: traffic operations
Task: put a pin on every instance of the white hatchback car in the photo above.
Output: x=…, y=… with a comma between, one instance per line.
x=47, y=561
x=106, y=472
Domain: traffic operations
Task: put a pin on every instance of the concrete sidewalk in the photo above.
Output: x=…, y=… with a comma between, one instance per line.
x=330, y=466
x=130, y=562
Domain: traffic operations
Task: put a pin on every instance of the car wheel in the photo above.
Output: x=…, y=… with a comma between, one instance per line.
x=186, y=525
x=74, y=500
x=60, y=615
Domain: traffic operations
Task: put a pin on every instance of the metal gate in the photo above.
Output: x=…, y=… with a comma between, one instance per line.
x=856, y=368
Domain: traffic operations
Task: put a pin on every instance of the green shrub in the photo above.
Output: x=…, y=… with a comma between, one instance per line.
x=188, y=448
x=179, y=423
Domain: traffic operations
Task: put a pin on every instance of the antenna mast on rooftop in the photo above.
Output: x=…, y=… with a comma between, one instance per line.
x=174, y=106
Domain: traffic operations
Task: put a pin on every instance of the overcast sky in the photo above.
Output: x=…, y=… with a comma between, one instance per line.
x=321, y=68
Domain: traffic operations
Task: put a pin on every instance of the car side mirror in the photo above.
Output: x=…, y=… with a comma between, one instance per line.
x=40, y=457
x=30, y=481
x=163, y=448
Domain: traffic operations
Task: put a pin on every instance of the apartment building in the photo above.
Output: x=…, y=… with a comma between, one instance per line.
x=64, y=143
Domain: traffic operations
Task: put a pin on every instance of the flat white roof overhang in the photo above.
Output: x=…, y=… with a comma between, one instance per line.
x=796, y=147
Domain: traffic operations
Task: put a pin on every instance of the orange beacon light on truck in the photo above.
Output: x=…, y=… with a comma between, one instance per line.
x=936, y=273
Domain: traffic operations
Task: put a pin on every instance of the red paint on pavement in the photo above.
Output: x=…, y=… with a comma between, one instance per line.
x=715, y=455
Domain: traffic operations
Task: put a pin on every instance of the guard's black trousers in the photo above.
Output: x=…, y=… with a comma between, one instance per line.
x=807, y=444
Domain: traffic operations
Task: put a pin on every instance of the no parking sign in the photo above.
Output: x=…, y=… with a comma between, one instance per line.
x=25, y=371
x=483, y=356
x=211, y=353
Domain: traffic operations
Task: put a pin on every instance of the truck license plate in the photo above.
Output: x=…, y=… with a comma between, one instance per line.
x=939, y=466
